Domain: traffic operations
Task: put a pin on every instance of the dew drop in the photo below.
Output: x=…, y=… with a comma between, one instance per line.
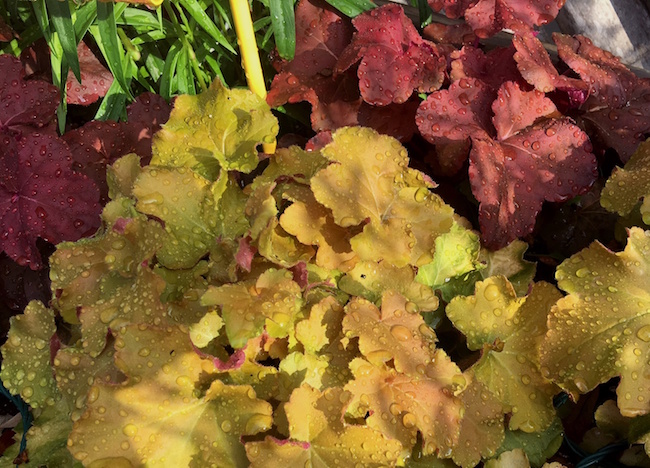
x=643, y=333
x=491, y=292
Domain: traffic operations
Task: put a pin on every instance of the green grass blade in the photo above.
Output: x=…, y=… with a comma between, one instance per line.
x=199, y=15
x=284, y=27
x=352, y=8
x=169, y=72
x=110, y=44
x=141, y=20
x=113, y=103
x=84, y=16
x=61, y=19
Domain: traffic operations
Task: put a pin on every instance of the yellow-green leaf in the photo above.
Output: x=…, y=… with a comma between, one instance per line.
x=601, y=329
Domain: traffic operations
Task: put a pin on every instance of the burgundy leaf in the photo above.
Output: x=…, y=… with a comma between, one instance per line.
x=6, y=33
x=487, y=17
x=623, y=129
x=536, y=67
x=395, y=60
x=149, y=109
x=456, y=113
x=550, y=161
x=383, y=119
x=318, y=141
x=26, y=105
x=493, y=68
x=40, y=196
x=95, y=79
x=20, y=284
x=515, y=109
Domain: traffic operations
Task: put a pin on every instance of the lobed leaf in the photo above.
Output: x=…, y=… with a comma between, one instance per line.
x=601, y=329
x=218, y=128
x=390, y=198
x=181, y=198
x=320, y=437
x=395, y=60
x=26, y=356
x=40, y=196
x=95, y=79
x=509, y=331
x=626, y=186
x=157, y=416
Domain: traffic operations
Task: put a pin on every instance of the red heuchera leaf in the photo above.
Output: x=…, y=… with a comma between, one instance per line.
x=453, y=8
x=334, y=101
x=6, y=33
x=450, y=33
x=487, y=17
x=457, y=113
x=536, y=67
x=20, y=284
x=493, y=68
x=549, y=161
x=608, y=79
x=40, y=196
x=95, y=79
x=395, y=60
x=318, y=141
x=515, y=109
x=26, y=105
x=321, y=35
x=245, y=253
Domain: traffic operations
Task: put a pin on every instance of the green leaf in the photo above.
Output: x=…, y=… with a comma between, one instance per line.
x=206, y=329
x=456, y=253
x=352, y=8
x=198, y=13
x=182, y=199
x=628, y=185
x=26, y=357
x=538, y=446
x=601, y=329
x=218, y=128
x=284, y=27
x=61, y=18
x=110, y=44
x=509, y=331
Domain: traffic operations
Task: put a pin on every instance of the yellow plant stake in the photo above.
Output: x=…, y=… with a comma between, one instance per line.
x=250, y=55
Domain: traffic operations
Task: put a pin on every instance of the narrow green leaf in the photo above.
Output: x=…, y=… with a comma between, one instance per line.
x=199, y=15
x=352, y=8
x=84, y=16
x=185, y=78
x=168, y=76
x=140, y=19
x=284, y=26
x=109, y=43
x=61, y=19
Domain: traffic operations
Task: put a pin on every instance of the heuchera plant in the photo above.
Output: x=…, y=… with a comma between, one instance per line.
x=327, y=307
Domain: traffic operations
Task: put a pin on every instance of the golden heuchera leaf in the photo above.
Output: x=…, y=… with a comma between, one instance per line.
x=274, y=301
x=26, y=367
x=509, y=330
x=321, y=438
x=394, y=333
x=628, y=185
x=368, y=181
x=218, y=128
x=183, y=200
x=313, y=224
x=400, y=404
x=481, y=429
x=158, y=416
x=371, y=279
x=601, y=329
